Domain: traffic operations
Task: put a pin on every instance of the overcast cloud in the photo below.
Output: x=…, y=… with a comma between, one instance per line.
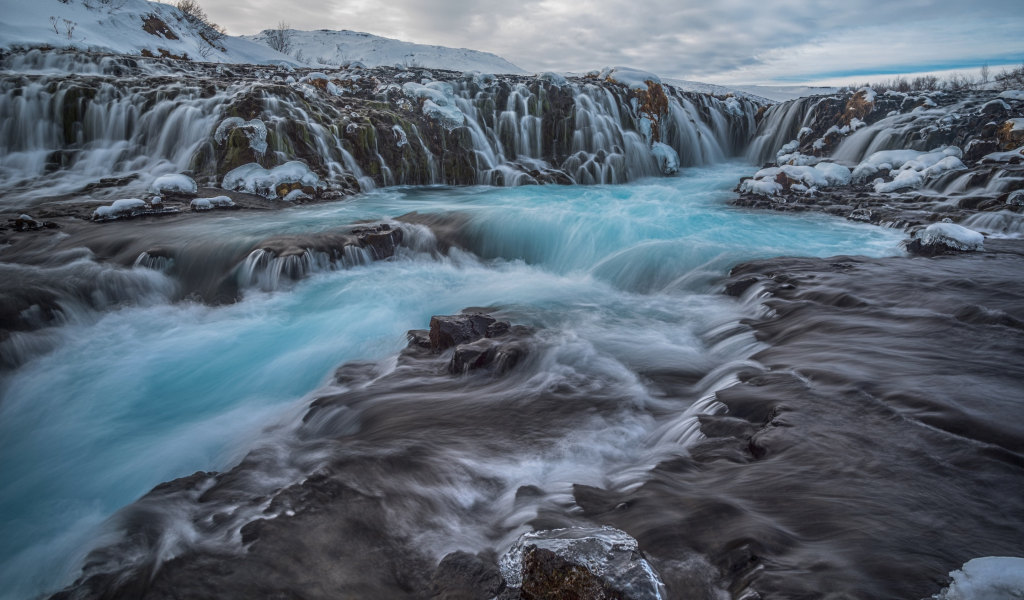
x=727, y=41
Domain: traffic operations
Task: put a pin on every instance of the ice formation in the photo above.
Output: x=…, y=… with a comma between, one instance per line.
x=438, y=102
x=182, y=184
x=952, y=235
x=606, y=552
x=209, y=203
x=910, y=168
x=632, y=78
x=988, y=578
x=255, y=130
x=118, y=209
x=821, y=175
x=254, y=179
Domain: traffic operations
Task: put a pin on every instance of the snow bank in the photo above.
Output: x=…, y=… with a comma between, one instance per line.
x=632, y=78
x=255, y=130
x=254, y=179
x=953, y=236
x=869, y=94
x=353, y=48
x=119, y=208
x=438, y=102
x=182, y=184
x=209, y=203
x=1013, y=94
x=988, y=578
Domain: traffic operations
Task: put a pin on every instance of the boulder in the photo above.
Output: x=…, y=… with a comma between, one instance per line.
x=449, y=331
x=382, y=239
x=600, y=563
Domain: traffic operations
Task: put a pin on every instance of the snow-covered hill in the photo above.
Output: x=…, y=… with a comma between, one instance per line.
x=771, y=93
x=329, y=47
x=121, y=27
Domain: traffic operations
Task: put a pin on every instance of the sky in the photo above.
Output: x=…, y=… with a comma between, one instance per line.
x=782, y=42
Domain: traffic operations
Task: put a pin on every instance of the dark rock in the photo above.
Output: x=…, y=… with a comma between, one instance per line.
x=382, y=240
x=418, y=338
x=464, y=576
x=498, y=329
x=737, y=288
x=449, y=331
x=472, y=356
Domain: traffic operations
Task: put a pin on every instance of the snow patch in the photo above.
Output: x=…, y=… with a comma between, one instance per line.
x=634, y=79
x=668, y=160
x=209, y=203
x=1012, y=95
x=119, y=208
x=255, y=130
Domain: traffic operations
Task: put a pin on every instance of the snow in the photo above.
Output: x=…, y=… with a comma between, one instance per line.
x=668, y=160
x=632, y=78
x=120, y=31
x=400, y=137
x=1016, y=198
x=294, y=195
x=346, y=48
x=209, y=203
x=254, y=179
x=182, y=184
x=1016, y=124
x=988, y=578
x=255, y=130
x=1012, y=95
x=834, y=174
x=760, y=94
x=869, y=94
x=733, y=107
x=953, y=236
x=119, y=208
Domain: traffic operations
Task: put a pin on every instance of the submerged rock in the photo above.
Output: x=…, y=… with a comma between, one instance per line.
x=449, y=331
x=580, y=562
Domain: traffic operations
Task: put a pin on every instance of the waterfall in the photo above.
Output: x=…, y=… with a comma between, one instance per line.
x=70, y=119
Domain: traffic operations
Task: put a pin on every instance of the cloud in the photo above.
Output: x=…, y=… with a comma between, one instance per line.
x=725, y=40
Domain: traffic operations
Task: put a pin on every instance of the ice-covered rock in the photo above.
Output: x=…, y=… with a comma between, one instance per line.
x=1016, y=198
x=632, y=78
x=1012, y=94
x=668, y=160
x=580, y=562
x=254, y=179
x=910, y=169
x=176, y=184
x=438, y=99
x=774, y=180
x=988, y=578
x=211, y=203
x=1010, y=156
x=255, y=130
x=553, y=78
x=120, y=208
x=952, y=237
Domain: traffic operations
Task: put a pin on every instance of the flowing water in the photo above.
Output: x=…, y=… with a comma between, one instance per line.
x=617, y=281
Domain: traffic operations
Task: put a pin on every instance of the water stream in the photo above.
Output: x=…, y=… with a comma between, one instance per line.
x=619, y=280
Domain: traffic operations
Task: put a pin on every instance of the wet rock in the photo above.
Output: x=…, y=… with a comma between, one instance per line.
x=580, y=562
x=736, y=288
x=382, y=240
x=453, y=330
x=464, y=576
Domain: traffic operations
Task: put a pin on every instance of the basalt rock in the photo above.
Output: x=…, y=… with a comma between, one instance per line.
x=450, y=331
x=382, y=239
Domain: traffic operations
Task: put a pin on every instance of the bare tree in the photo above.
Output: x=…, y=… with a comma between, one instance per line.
x=1012, y=79
x=986, y=74
x=280, y=39
x=53, y=21
x=69, y=26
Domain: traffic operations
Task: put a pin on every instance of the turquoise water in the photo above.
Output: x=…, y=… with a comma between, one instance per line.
x=145, y=394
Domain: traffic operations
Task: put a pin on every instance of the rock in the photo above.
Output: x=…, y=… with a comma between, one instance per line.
x=472, y=356
x=418, y=338
x=464, y=576
x=580, y=563
x=449, y=331
x=382, y=240
x=737, y=288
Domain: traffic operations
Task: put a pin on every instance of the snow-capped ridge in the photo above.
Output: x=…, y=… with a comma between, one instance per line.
x=328, y=48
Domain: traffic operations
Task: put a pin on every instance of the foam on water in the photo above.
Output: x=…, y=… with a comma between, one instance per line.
x=624, y=276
